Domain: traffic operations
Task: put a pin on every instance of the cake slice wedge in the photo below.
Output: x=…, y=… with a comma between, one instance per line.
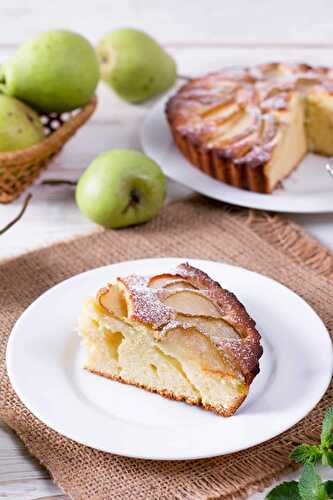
x=178, y=334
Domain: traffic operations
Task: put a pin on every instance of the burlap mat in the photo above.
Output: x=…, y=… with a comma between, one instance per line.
x=191, y=228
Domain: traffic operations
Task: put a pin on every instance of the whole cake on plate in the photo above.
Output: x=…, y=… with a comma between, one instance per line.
x=178, y=334
x=250, y=127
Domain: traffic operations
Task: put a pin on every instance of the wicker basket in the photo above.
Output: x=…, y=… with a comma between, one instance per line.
x=18, y=169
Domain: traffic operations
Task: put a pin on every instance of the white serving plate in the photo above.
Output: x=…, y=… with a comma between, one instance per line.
x=45, y=360
x=309, y=189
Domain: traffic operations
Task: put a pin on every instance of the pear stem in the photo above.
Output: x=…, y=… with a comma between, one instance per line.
x=2, y=80
x=19, y=215
x=58, y=182
x=133, y=201
x=184, y=77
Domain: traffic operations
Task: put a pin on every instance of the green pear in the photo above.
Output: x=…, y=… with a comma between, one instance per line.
x=55, y=71
x=20, y=126
x=121, y=188
x=135, y=65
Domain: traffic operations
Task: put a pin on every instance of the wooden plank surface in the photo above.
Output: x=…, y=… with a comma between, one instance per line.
x=237, y=21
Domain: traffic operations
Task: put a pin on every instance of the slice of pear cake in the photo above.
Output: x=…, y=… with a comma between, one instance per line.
x=178, y=334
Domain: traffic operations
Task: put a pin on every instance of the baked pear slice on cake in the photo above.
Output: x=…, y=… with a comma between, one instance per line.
x=178, y=334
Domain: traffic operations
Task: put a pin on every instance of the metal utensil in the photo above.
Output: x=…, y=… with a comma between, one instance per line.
x=329, y=169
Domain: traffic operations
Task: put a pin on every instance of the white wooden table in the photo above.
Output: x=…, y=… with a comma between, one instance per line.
x=202, y=36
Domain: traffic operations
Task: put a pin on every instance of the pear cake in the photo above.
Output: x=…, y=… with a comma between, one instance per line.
x=250, y=127
x=178, y=334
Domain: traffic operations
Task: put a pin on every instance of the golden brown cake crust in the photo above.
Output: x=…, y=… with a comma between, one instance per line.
x=262, y=92
x=247, y=350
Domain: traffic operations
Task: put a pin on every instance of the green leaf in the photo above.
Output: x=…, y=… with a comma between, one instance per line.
x=306, y=454
x=285, y=491
x=327, y=457
x=327, y=429
x=329, y=488
x=310, y=486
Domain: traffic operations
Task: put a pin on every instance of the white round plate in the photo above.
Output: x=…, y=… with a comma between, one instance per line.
x=309, y=189
x=45, y=367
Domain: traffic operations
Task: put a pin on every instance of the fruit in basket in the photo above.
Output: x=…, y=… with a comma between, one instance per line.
x=120, y=188
x=135, y=65
x=55, y=71
x=20, y=126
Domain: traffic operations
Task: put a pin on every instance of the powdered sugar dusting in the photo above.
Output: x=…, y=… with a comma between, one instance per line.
x=173, y=324
x=247, y=352
x=147, y=304
x=276, y=102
